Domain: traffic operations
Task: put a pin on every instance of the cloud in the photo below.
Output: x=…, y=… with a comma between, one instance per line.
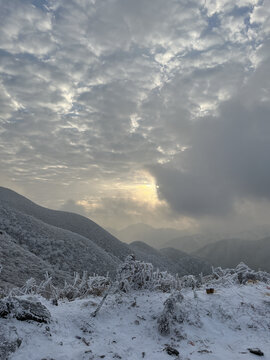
x=227, y=160
x=117, y=212
x=92, y=92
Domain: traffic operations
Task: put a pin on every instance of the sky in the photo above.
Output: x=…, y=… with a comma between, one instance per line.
x=138, y=111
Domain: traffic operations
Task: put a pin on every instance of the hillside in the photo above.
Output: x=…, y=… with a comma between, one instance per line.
x=70, y=242
x=19, y=264
x=147, y=234
x=186, y=263
x=153, y=256
x=63, y=249
x=65, y=220
x=229, y=252
x=190, y=243
x=172, y=260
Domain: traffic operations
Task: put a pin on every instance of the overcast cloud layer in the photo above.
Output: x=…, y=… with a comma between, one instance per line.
x=100, y=101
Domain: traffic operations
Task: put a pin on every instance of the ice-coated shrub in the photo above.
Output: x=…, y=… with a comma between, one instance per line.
x=134, y=274
x=189, y=281
x=242, y=274
x=83, y=286
x=165, y=282
x=45, y=288
x=80, y=287
x=245, y=274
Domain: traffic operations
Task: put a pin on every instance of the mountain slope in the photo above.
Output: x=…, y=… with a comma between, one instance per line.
x=147, y=234
x=65, y=220
x=230, y=252
x=19, y=264
x=149, y=254
x=190, y=243
x=64, y=250
x=185, y=263
x=70, y=243
x=172, y=260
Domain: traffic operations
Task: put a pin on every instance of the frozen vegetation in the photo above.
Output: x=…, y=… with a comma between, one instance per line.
x=146, y=314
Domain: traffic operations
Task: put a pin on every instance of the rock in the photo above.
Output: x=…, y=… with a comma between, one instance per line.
x=24, y=310
x=256, y=351
x=171, y=351
x=9, y=342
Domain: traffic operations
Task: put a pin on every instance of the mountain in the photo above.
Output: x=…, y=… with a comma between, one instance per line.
x=172, y=238
x=166, y=237
x=19, y=264
x=190, y=243
x=186, y=263
x=170, y=259
x=63, y=250
x=153, y=256
x=230, y=252
x=147, y=234
x=65, y=220
x=39, y=240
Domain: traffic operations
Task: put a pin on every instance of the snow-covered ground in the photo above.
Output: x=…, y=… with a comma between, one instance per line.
x=218, y=326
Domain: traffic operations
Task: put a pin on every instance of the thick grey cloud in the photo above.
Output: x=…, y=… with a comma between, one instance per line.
x=92, y=93
x=228, y=157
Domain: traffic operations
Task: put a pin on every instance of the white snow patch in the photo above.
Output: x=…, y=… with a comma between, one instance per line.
x=232, y=320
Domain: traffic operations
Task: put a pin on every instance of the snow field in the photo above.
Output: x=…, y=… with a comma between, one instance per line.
x=219, y=326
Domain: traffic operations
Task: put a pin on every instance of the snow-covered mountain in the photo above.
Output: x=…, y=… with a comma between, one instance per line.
x=229, y=252
x=172, y=238
x=63, y=243
x=172, y=260
x=147, y=234
x=63, y=250
x=19, y=264
x=185, y=263
x=65, y=220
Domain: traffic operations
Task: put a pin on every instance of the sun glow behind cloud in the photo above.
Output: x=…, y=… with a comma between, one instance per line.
x=142, y=190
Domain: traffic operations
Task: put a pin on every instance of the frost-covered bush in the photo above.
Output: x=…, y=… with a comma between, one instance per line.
x=165, y=282
x=31, y=287
x=189, y=281
x=242, y=274
x=177, y=310
x=245, y=274
x=80, y=287
x=134, y=274
x=98, y=285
